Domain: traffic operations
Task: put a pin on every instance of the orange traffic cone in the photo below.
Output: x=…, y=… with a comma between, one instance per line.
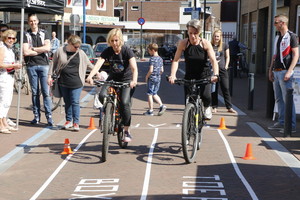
x=92, y=124
x=222, y=124
x=248, y=154
x=67, y=148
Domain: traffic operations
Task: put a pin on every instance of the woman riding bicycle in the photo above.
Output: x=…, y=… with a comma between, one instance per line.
x=197, y=50
x=123, y=68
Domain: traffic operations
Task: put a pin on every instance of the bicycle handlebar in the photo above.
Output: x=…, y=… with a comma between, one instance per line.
x=181, y=81
x=112, y=83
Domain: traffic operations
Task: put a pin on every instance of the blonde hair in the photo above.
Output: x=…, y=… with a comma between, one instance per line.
x=74, y=39
x=220, y=45
x=115, y=32
x=283, y=18
x=8, y=32
x=153, y=46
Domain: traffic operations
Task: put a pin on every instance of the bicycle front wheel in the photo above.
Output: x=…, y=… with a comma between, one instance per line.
x=55, y=102
x=189, y=135
x=107, y=125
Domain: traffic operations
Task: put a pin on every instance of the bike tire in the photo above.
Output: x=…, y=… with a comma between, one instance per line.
x=107, y=124
x=54, y=100
x=201, y=122
x=121, y=136
x=189, y=136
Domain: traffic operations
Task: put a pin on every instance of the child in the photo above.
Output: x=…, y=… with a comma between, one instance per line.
x=153, y=78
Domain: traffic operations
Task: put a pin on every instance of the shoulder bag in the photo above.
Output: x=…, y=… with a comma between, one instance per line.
x=55, y=76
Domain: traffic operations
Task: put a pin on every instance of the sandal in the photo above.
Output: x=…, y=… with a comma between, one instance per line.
x=231, y=110
x=5, y=131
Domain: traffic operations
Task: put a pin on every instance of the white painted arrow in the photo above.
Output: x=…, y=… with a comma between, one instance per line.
x=156, y=125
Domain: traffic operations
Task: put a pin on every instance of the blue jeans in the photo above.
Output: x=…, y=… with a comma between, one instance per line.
x=72, y=105
x=280, y=89
x=38, y=76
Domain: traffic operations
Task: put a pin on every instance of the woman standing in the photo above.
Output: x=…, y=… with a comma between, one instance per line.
x=71, y=62
x=196, y=51
x=123, y=68
x=222, y=55
x=7, y=68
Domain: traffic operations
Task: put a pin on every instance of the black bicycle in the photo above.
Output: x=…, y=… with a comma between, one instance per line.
x=193, y=118
x=241, y=64
x=112, y=120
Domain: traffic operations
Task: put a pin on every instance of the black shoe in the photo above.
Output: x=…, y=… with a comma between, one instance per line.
x=50, y=121
x=36, y=120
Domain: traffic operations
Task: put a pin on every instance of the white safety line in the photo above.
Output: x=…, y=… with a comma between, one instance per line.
x=45, y=185
x=148, y=168
x=236, y=167
x=281, y=151
x=17, y=153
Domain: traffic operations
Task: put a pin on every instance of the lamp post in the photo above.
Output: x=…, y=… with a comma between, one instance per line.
x=84, y=22
x=141, y=32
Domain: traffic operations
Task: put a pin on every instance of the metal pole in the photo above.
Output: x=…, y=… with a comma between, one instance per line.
x=204, y=18
x=141, y=32
x=84, y=22
x=21, y=61
x=289, y=104
x=270, y=92
x=251, y=91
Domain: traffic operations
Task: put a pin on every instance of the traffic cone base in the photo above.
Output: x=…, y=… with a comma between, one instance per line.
x=222, y=124
x=92, y=124
x=67, y=148
x=248, y=154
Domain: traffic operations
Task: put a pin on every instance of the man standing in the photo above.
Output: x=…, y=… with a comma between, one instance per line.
x=282, y=66
x=54, y=43
x=36, y=47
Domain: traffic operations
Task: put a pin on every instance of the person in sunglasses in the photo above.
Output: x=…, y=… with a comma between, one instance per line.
x=71, y=62
x=36, y=47
x=7, y=66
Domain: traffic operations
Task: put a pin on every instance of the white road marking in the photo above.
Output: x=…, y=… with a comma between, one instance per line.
x=281, y=151
x=236, y=167
x=154, y=126
x=136, y=126
x=49, y=180
x=148, y=168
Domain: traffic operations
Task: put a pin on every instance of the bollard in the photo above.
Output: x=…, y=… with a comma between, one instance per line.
x=288, y=113
x=251, y=91
x=230, y=80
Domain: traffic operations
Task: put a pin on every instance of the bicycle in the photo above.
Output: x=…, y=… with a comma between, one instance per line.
x=193, y=118
x=242, y=65
x=24, y=81
x=112, y=120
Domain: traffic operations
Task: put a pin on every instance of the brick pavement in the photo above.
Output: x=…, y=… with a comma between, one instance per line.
x=258, y=114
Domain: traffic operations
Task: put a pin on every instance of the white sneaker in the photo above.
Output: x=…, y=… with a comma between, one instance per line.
x=11, y=123
x=207, y=113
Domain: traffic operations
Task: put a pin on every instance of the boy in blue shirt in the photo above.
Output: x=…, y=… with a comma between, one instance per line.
x=153, y=78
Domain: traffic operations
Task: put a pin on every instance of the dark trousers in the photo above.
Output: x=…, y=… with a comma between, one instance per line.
x=233, y=64
x=224, y=85
x=205, y=93
x=125, y=104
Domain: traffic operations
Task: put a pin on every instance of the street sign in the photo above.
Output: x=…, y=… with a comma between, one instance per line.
x=75, y=28
x=141, y=21
x=195, y=14
x=191, y=9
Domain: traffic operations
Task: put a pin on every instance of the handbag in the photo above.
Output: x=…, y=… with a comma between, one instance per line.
x=55, y=76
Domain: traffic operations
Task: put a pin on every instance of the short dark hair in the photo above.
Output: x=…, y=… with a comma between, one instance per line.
x=3, y=26
x=31, y=14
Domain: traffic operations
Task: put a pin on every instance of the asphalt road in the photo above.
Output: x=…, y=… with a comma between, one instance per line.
x=152, y=167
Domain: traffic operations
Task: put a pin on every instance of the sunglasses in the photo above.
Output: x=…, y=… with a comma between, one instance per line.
x=76, y=47
x=11, y=38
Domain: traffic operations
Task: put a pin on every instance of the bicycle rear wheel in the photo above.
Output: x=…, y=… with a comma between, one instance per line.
x=121, y=136
x=189, y=135
x=24, y=81
x=107, y=125
x=55, y=101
